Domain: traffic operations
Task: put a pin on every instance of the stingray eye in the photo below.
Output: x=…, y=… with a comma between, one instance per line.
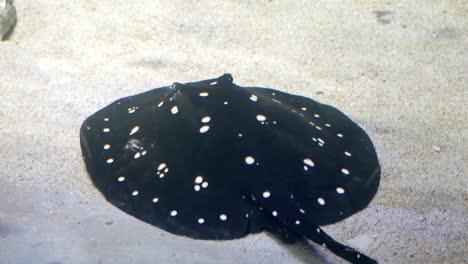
x=213, y=160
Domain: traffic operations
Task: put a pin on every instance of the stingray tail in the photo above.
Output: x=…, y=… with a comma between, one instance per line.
x=347, y=253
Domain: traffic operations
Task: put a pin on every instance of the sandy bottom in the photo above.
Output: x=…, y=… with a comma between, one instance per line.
x=397, y=68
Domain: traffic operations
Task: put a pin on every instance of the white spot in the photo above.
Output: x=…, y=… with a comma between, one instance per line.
x=302, y=211
x=309, y=162
x=226, y=102
x=201, y=221
x=121, y=178
x=318, y=230
x=106, y=119
x=161, y=103
x=239, y=135
x=135, y=193
x=318, y=128
x=321, y=140
x=358, y=256
x=198, y=179
x=161, y=175
x=345, y=171
x=196, y=187
x=304, y=109
x=297, y=222
x=339, y=135
x=274, y=213
x=253, y=98
x=132, y=110
x=162, y=166
x=203, y=129
x=106, y=130
x=203, y=94
x=107, y=146
x=261, y=118
x=204, y=184
x=327, y=125
x=311, y=123
x=174, y=110
x=321, y=201
x=266, y=194
x=436, y=149
x=110, y=160
x=206, y=119
x=137, y=155
x=144, y=152
x=134, y=130
x=314, y=139
x=316, y=115
x=173, y=213
x=155, y=199
x=166, y=170
x=249, y=160
x=347, y=153
x=340, y=190
x=223, y=217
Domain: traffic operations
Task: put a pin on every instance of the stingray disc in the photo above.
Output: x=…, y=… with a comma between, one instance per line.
x=213, y=160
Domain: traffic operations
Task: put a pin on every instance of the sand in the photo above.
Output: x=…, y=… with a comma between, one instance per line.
x=397, y=68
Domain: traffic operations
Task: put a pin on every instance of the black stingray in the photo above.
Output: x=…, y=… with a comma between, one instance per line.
x=213, y=160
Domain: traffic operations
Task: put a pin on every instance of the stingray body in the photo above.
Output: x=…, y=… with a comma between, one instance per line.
x=213, y=160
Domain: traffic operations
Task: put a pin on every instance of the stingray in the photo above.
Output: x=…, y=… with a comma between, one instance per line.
x=214, y=160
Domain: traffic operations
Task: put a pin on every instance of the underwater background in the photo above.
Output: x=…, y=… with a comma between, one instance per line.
x=397, y=68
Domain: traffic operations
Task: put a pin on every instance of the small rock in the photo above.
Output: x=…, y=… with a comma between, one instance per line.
x=109, y=222
x=7, y=17
x=436, y=149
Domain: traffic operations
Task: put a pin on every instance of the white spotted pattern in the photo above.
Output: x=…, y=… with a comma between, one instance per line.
x=340, y=190
x=204, y=129
x=309, y=162
x=206, y=119
x=321, y=201
x=249, y=160
x=198, y=179
x=261, y=118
